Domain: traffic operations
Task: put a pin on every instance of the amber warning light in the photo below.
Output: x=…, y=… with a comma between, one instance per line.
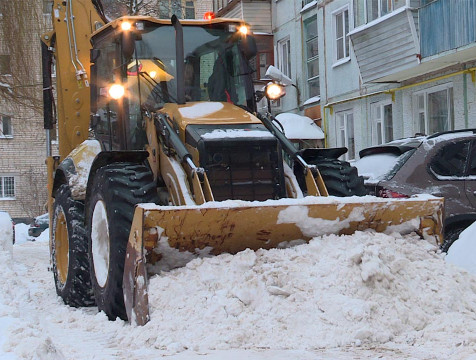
x=209, y=15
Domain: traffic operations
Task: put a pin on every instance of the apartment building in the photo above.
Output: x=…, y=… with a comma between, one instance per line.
x=22, y=138
x=396, y=68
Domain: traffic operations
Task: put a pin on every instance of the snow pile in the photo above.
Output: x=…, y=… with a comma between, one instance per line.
x=6, y=233
x=367, y=289
x=462, y=252
x=299, y=127
x=376, y=166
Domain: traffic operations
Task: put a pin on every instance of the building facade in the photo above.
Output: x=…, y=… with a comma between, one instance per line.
x=395, y=68
x=22, y=137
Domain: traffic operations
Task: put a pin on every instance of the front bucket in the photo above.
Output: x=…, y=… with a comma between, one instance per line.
x=169, y=237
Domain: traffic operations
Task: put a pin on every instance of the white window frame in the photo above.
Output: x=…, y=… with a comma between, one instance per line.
x=2, y=135
x=377, y=118
x=284, y=66
x=311, y=59
x=423, y=111
x=2, y=190
x=346, y=41
x=343, y=128
x=392, y=9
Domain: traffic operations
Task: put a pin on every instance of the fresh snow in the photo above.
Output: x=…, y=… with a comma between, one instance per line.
x=366, y=296
x=237, y=133
x=374, y=167
x=200, y=110
x=463, y=251
x=299, y=127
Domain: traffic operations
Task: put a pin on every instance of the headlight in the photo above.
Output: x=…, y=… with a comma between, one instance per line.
x=275, y=91
x=116, y=91
x=126, y=26
x=244, y=30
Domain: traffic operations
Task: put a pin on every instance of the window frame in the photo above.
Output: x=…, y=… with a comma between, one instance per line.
x=343, y=127
x=423, y=110
x=380, y=105
x=280, y=52
x=345, y=35
x=3, y=177
x=10, y=134
x=309, y=60
x=8, y=64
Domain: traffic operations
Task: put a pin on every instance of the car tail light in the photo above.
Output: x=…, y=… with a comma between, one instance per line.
x=385, y=193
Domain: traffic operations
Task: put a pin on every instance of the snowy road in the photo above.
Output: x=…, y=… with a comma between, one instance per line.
x=350, y=297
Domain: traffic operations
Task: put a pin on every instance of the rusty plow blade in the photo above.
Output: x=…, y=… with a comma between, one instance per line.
x=163, y=238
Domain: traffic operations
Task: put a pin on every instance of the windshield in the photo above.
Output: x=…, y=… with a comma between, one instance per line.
x=214, y=68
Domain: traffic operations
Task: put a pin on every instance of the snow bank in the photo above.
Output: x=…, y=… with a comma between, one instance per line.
x=462, y=252
x=6, y=233
x=336, y=291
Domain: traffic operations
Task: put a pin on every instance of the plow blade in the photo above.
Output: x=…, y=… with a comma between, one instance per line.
x=163, y=238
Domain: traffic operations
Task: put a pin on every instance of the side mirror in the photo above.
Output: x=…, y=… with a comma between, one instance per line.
x=248, y=44
x=275, y=74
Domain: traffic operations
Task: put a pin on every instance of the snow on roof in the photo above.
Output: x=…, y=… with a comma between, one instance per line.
x=308, y=6
x=299, y=127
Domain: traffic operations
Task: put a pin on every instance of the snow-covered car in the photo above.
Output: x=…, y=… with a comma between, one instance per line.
x=6, y=217
x=442, y=164
x=39, y=224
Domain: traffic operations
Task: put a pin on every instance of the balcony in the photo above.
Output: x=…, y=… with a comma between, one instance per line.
x=387, y=46
x=411, y=42
x=454, y=30
x=255, y=12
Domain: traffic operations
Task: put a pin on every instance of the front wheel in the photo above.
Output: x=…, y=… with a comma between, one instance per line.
x=69, y=250
x=117, y=188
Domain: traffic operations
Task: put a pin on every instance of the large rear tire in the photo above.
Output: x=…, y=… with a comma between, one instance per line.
x=340, y=177
x=69, y=250
x=117, y=189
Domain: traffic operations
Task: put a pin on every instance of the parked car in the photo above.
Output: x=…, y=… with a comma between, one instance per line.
x=5, y=214
x=443, y=164
x=39, y=224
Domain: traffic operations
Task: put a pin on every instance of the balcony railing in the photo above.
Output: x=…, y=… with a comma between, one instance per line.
x=446, y=25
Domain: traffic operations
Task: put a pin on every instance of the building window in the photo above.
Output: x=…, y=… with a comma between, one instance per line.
x=366, y=11
x=180, y=8
x=345, y=133
x=284, y=56
x=312, y=56
x=382, y=122
x=341, y=27
x=5, y=68
x=434, y=109
x=47, y=7
x=6, y=130
x=7, y=187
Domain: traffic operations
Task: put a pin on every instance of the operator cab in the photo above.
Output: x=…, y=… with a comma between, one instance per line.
x=135, y=70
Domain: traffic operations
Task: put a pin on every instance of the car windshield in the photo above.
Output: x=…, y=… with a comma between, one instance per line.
x=214, y=68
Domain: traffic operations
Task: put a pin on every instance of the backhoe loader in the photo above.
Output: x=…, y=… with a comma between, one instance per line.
x=163, y=157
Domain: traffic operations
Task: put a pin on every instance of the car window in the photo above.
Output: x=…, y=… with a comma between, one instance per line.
x=451, y=159
x=472, y=162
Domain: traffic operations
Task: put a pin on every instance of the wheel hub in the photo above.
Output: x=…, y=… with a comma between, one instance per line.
x=61, y=246
x=100, y=243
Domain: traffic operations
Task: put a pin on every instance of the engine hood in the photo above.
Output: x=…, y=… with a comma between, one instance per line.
x=208, y=113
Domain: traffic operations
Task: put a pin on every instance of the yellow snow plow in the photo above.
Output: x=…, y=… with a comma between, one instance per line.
x=164, y=156
x=162, y=238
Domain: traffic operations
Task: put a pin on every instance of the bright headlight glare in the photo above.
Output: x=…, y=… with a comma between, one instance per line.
x=274, y=91
x=126, y=26
x=116, y=91
x=153, y=74
x=243, y=29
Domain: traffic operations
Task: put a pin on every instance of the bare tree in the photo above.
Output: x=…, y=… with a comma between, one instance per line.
x=156, y=8
x=20, y=82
